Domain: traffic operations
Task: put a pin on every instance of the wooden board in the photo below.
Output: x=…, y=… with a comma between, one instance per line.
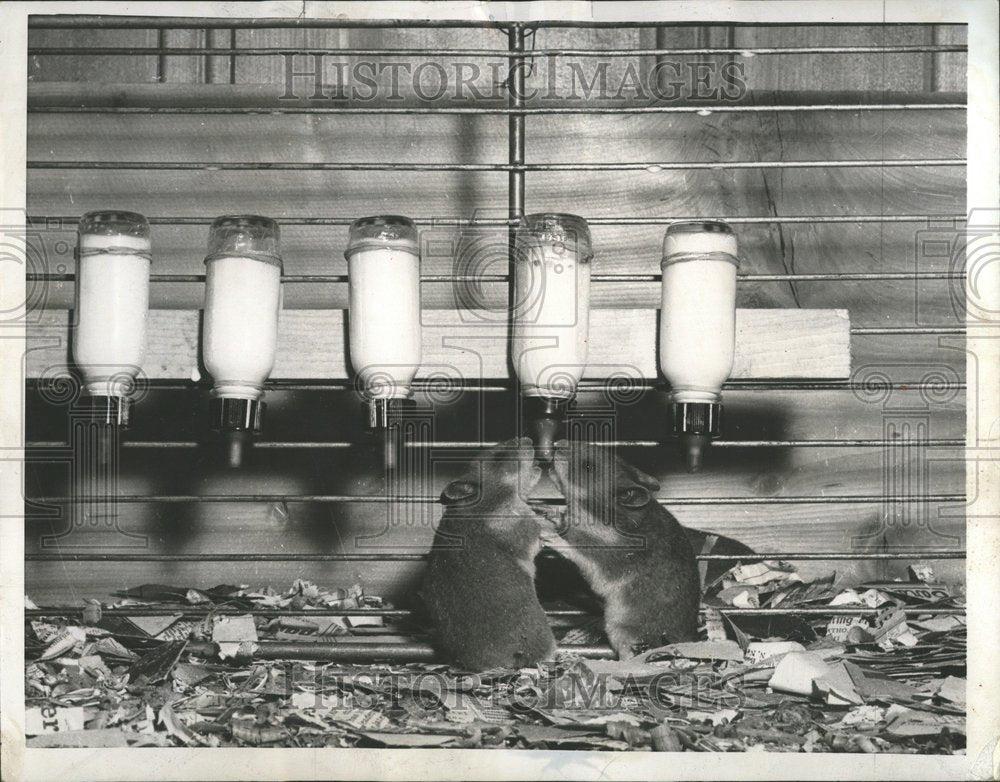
x=472, y=343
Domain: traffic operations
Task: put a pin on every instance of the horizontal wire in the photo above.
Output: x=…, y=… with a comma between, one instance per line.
x=159, y=165
x=257, y=51
x=598, y=278
x=417, y=499
x=113, y=22
x=471, y=445
x=402, y=613
x=449, y=222
x=587, y=384
x=714, y=108
x=410, y=557
x=907, y=330
x=904, y=331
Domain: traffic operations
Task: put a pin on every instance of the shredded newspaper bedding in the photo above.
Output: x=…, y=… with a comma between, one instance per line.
x=891, y=680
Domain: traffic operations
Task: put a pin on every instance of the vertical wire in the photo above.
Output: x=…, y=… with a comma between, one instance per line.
x=232, y=57
x=515, y=100
x=161, y=59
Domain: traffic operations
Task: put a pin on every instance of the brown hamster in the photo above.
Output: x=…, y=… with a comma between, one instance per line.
x=634, y=554
x=479, y=586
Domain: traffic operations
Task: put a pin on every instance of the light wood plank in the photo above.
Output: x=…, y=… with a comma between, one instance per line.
x=311, y=344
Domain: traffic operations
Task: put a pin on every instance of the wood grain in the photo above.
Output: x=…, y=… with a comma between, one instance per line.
x=473, y=344
x=767, y=249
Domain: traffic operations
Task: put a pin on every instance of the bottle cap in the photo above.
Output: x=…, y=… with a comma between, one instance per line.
x=114, y=233
x=231, y=414
x=114, y=223
x=564, y=232
x=383, y=231
x=244, y=236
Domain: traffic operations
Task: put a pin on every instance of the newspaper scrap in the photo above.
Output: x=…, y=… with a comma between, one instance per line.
x=870, y=597
x=902, y=721
x=838, y=686
x=234, y=635
x=740, y=596
x=408, y=739
x=863, y=717
x=696, y=650
x=622, y=669
x=49, y=719
x=886, y=628
x=938, y=624
x=178, y=631
x=361, y=719
x=720, y=717
x=715, y=625
x=922, y=571
x=767, y=654
x=913, y=591
x=155, y=666
x=890, y=626
x=70, y=639
x=797, y=671
x=154, y=625
x=840, y=627
x=951, y=689
x=248, y=730
x=465, y=707
x=761, y=573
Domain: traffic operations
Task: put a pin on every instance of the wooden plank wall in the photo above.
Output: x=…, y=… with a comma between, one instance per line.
x=770, y=344
x=318, y=415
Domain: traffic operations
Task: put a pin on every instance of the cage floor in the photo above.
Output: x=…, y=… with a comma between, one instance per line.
x=882, y=671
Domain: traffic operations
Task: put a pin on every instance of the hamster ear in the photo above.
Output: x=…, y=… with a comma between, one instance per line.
x=644, y=480
x=634, y=497
x=460, y=493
